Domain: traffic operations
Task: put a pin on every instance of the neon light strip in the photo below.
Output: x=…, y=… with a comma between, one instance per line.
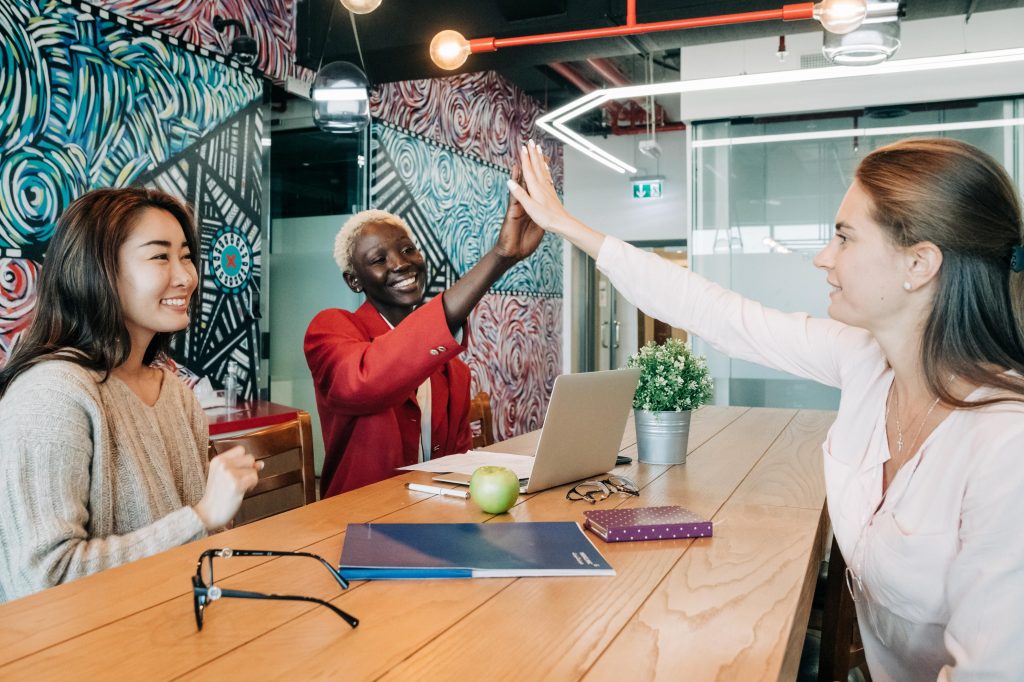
x=554, y=121
x=861, y=132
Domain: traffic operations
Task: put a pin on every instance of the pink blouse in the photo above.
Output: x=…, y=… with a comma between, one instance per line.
x=942, y=561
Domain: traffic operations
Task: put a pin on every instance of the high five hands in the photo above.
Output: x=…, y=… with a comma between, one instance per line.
x=538, y=197
x=519, y=236
x=540, y=200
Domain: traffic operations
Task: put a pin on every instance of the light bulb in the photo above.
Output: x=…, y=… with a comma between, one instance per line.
x=449, y=49
x=841, y=16
x=361, y=6
x=340, y=98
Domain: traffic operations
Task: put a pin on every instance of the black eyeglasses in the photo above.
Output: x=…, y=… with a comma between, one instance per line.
x=205, y=591
x=593, y=491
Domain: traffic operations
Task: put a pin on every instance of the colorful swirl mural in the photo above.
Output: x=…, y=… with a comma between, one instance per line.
x=443, y=152
x=221, y=178
x=271, y=23
x=464, y=202
x=17, y=299
x=515, y=354
x=480, y=114
x=104, y=105
x=87, y=102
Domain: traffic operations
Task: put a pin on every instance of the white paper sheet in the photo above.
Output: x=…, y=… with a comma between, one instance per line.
x=467, y=463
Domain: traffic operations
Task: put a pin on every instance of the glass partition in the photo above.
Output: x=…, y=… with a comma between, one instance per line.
x=318, y=180
x=765, y=193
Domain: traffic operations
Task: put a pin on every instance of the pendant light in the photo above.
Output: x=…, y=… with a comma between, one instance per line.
x=361, y=6
x=450, y=49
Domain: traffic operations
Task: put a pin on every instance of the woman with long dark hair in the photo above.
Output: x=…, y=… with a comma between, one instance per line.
x=103, y=457
x=923, y=465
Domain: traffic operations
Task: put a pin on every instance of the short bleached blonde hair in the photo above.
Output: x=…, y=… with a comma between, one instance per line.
x=346, y=239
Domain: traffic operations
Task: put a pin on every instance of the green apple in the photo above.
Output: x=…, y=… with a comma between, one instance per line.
x=494, y=489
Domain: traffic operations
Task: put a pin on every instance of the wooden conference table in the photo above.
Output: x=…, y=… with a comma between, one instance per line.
x=731, y=607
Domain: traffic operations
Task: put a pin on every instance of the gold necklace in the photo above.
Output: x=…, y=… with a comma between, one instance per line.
x=899, y=428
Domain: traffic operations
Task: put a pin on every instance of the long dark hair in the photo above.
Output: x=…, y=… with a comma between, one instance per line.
x=78, y=315
x=959, y=198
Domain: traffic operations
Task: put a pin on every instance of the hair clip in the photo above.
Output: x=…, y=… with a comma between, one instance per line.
x=1017, y=259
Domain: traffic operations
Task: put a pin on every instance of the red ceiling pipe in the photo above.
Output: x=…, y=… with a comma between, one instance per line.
x=637, y=124
x=611, y=73
x=570, y=74
x=630, y=12
x=642, y=129
x=793, y=12
x=577, y=79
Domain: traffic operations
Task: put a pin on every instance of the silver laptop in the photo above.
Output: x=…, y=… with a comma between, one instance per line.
x=582, y=429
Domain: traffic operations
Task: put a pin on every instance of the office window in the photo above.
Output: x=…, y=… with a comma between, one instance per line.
x=765, y=193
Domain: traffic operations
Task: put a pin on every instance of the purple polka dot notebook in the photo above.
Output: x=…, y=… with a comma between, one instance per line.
x=646, y=523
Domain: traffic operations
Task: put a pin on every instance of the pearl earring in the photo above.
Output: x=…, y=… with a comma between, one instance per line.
x=906, y=286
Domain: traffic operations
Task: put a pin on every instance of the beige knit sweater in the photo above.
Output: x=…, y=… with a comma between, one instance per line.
x=92, y=477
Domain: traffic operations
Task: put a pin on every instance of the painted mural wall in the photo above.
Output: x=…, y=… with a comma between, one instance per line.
x=443, y=149
x=88, y=101
x=271, y=23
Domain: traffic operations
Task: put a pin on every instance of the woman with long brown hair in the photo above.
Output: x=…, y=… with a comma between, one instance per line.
x=923, y=465
x=103, y=457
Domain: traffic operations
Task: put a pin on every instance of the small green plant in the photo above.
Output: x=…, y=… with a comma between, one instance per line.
x=672, y=379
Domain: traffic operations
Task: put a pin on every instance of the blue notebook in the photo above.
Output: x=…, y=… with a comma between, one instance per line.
x=395, y=551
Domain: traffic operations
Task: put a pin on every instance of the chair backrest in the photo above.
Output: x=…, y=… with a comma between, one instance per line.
x=480, y=420
x=841, y=647
x=287, y=480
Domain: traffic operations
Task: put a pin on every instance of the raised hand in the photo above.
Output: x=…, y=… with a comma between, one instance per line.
x=232, y=474
x=539, y=197
x=519, y=236
x=540, y=200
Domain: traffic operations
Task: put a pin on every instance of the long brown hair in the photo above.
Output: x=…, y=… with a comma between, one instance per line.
x=78, y=315
x=959, y=198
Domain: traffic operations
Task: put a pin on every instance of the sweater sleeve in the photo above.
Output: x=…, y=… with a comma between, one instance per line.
x=47, y=428
x=797, y=343
x=357, y=376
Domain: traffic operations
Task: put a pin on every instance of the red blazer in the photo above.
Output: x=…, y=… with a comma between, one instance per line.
x=365, y=377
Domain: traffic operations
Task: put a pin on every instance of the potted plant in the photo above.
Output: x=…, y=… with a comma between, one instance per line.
x=673, y=383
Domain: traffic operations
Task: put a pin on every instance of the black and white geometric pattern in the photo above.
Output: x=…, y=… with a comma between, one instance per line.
x=221, y=178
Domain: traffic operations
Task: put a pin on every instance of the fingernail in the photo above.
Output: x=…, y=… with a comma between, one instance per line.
x=532, y=144
x=511, y=184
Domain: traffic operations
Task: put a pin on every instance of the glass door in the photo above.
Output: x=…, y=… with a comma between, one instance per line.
x=318, y=180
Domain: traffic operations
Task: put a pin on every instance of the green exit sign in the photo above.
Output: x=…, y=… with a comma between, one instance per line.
x=646, y=189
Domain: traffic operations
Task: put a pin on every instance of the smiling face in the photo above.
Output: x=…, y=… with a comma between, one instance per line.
x=156, y=277
x=388, y=267
x=864, y=268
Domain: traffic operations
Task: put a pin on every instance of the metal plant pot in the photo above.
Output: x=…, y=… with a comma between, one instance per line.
x=661, y=437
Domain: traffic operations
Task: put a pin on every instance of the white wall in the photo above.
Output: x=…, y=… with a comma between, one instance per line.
x=306, y=281
x=603, y=199
x=942, y=36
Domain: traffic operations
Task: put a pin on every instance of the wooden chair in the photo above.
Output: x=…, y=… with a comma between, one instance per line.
x=841, y=648
x=287, y=480
x=480, y=420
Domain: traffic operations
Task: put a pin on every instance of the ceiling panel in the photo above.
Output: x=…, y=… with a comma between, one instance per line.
x=395, y=37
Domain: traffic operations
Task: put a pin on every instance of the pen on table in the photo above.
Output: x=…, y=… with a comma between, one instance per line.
x=437, y=491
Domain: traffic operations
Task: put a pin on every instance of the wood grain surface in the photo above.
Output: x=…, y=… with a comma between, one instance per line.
x=730, y=607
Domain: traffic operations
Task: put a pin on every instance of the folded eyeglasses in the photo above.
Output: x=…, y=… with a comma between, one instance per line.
x=205, y=591
x=593, y=491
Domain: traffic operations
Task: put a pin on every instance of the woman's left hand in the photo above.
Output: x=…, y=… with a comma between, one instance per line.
x=519, y=236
